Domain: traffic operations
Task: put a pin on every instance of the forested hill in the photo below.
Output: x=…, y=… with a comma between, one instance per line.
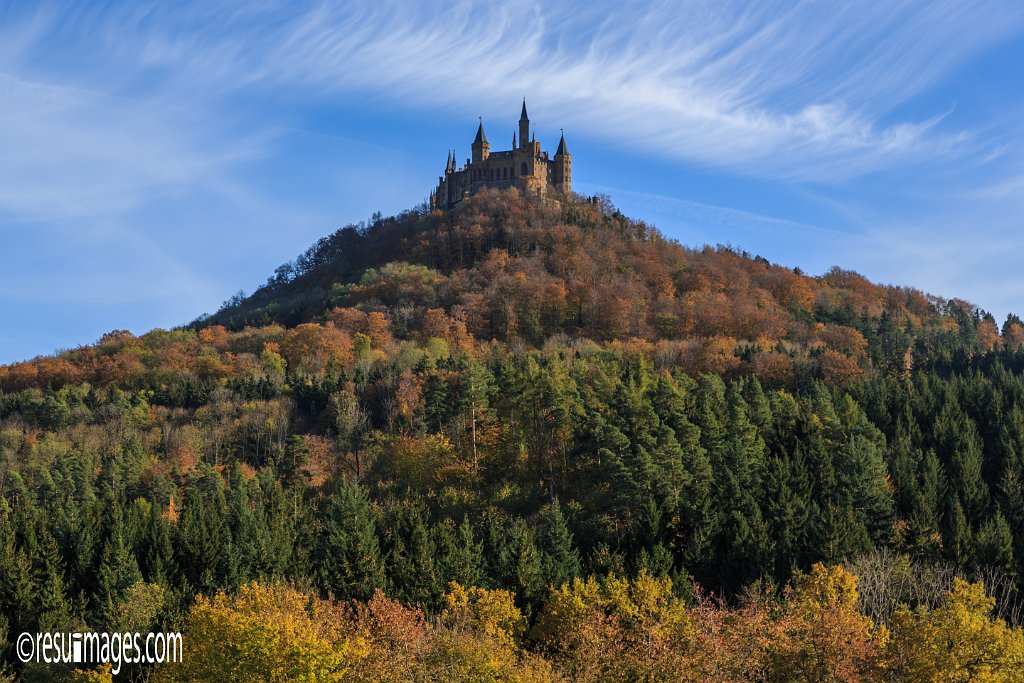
x=510, y=268
x=532, y=436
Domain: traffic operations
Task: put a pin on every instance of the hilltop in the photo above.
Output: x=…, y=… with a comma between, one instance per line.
x=513, y=269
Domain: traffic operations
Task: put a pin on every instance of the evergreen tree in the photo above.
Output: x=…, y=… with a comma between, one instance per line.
x=203, y=540
x=410, y=559
x=520, y=564
x=51, y=599
x=863, y=486
x=459, y=555
x=17, y=601
x=348, y=557
x=118, y=572
x=994, y=543
x=560, y=562
x=956, y=532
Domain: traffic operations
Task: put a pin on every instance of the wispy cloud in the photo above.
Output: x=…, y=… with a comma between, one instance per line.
x=803, y=90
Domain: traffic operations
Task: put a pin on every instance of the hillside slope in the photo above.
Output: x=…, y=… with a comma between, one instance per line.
x=511, y=396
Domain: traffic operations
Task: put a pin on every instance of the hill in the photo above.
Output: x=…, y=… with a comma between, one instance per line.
x=512, y=396
x=512, y=270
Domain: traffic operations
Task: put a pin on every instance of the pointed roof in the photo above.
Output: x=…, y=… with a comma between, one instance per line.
x=481, y=137
x=563, y=149
x=523, y=116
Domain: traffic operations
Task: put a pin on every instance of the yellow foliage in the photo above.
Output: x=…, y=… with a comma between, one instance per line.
x=958, y=641
x=264, y=633
x=822, y=636
x=611, y=629
x=491, y=614
x=100, y=675
x=615, y=629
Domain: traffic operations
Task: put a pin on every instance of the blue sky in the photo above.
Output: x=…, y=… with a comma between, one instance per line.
x=154, y=159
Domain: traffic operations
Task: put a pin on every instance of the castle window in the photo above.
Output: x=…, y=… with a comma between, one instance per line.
x=524, y=169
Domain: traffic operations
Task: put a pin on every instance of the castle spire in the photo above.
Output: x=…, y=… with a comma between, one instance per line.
x=563, y=149
x=481, y=137
x=513, y=140
x=481, y=148
x=524, y=127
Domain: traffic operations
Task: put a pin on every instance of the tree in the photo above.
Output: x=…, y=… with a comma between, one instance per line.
x=958, y=641
x=823, y=636
x=266, y=633
x=560, y=562
x=118, y=572
x=459, y=555
x=410, y=559
x=348, y=554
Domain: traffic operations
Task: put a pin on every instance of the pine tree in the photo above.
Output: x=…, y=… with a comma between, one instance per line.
x=560, y=562
x=863, y=486
x=956, y=532
x=692, y=530
x=959, y=446
x=459, y=555
x=994, y=543
x=520, y=564
x=348, y=557
x=410, y=560
x=16, y=586
x=51, y=593
x=785, y=517
x=118, y=572
x=203, y=539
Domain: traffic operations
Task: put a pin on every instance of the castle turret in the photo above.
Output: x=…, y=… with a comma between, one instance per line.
x=563, y=167
x=524, y=127
x=481, y=148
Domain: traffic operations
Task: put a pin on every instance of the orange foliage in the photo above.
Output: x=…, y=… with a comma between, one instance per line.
x=1013, y=338
x=843, y=339
x=988, y=335
x=312, y=349
x=774, y=369
x=838, y=369
x=215, y=336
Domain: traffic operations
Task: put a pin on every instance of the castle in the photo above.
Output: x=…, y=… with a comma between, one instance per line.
x=524, y=166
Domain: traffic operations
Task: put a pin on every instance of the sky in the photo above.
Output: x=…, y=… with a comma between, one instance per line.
x=157, y=158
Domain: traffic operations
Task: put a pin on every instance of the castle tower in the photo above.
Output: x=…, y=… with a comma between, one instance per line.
x=524, y=127
x=481, y=148
x=563, y=167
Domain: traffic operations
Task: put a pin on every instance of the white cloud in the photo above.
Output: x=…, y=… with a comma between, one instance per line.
x=804, y=91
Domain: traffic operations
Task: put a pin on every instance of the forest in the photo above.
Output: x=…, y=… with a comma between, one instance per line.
x=529, y=441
